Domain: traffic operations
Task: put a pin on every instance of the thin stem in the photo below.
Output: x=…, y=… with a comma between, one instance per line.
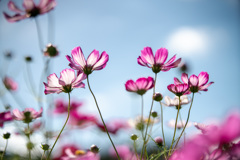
x=29, y=76
x=182, y=125
x=144, y=140
x=135, y=149
x=43, y=155
x=4, y=149
x=162, y=124
x=186, y=121
x=40, y=42
x=175, y=128
x=28, y=135
x=142, y=123
x=62, y=127
x=102, y=119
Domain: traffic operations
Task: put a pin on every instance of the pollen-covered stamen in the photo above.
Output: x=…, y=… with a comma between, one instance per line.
x=80, y=152
x=33, y=12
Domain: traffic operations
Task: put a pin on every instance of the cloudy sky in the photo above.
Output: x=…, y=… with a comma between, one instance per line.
x=205, y=34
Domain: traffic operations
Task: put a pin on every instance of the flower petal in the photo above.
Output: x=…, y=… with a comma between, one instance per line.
x=102, y=61
x=15, y=18
x=177, y=81
x=150, y=83
x=78, y=81
x=28, y=4
x=142, y=63
x=78, y=57
x=13, y=7
x=53, y=80
x=49, y=90
x=204, y=88
x=67, y=77
x=49, y=6
x=161, y=56
x=17, y=114
x=93, y=58
x=193, y=80
x=131, y=86
x=147, y=55
x=203, y=78
x=185, y=78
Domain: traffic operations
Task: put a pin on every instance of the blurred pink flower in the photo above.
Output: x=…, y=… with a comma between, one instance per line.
x=30, y=9
x=114, y=125
x=62, y=106
x=196, y=83
x=66, y=83
x=124, y=152
x=140, y=86
x=157, y=63
x=223, y=136
x=27, y=115
x=180, y=124
x=93, y=62
x=4, y=117
x=81, y=120
x=71, y=147
x=10, y=84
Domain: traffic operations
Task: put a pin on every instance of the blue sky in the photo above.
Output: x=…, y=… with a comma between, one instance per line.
x=205, y=34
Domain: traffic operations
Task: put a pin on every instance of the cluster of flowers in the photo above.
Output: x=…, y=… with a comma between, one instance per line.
x=202, y=146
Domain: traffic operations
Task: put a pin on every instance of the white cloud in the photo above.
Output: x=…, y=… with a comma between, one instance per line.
x=188, y=40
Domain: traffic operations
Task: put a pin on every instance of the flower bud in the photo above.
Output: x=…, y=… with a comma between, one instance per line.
x=45, y=147
x=154, y=114
x=28, y=58
x=94, y=149
x=30, y=145
x=6, y=135
x=158, y=141
x=8, y=55
x=157, y=97
x=51, y=51
x=134, y=137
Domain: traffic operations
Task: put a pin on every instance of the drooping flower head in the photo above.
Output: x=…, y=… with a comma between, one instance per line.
x=140, y=86
x=66, y=83
x=10, y=84
x=30, y=9
x=196, y=83
x=27, y=115
x=4, y=117
x=93, y=62
x=157, y=63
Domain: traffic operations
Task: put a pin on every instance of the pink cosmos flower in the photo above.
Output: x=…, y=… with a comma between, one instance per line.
x=30, y=9
x=140, y=86
x=27, y=115
x=157, y=63
x=179, y=89
x=196, y=83
x=4, y=117
x=80, y=155
x=72, y=147
x=66, y=83
x=114, y=126
x=82, y=120
x=223, y=136
x=62, y=107
x=10, y=84
x=93, y=62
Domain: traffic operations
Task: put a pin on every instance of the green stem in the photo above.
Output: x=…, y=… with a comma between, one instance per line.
x=102, y=118
x=182, y=125
x=28, y=135
x=142, y=123
x=162, y=124
x=175, y=126
x=144, y=140
x=4, y=150
x=62, y=127
x=135, y=149
x=40, y=42
x=186, y=121
x=43, y=155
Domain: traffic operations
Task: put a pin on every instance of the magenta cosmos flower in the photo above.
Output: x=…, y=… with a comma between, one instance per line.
x=4, y=117
x=62, y=106
x=65, y=83
x=178, y=89
x=10, y=84
x=196, y=83
x=157, y=63
x=93, y=62
x=30, y=9
x=27, y=115
x=140, y=86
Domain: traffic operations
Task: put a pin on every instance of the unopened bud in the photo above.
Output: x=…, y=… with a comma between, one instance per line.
x=6, y=135
x=51, y=51
x=134, y=137
x=158, y=141
x=154, y=114
x=30, y=145
x=45, y=147
x=28, y=58
x=94, y=149
x=157, y=97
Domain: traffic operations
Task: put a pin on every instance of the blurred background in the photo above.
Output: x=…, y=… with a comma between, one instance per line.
x=205, y=34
